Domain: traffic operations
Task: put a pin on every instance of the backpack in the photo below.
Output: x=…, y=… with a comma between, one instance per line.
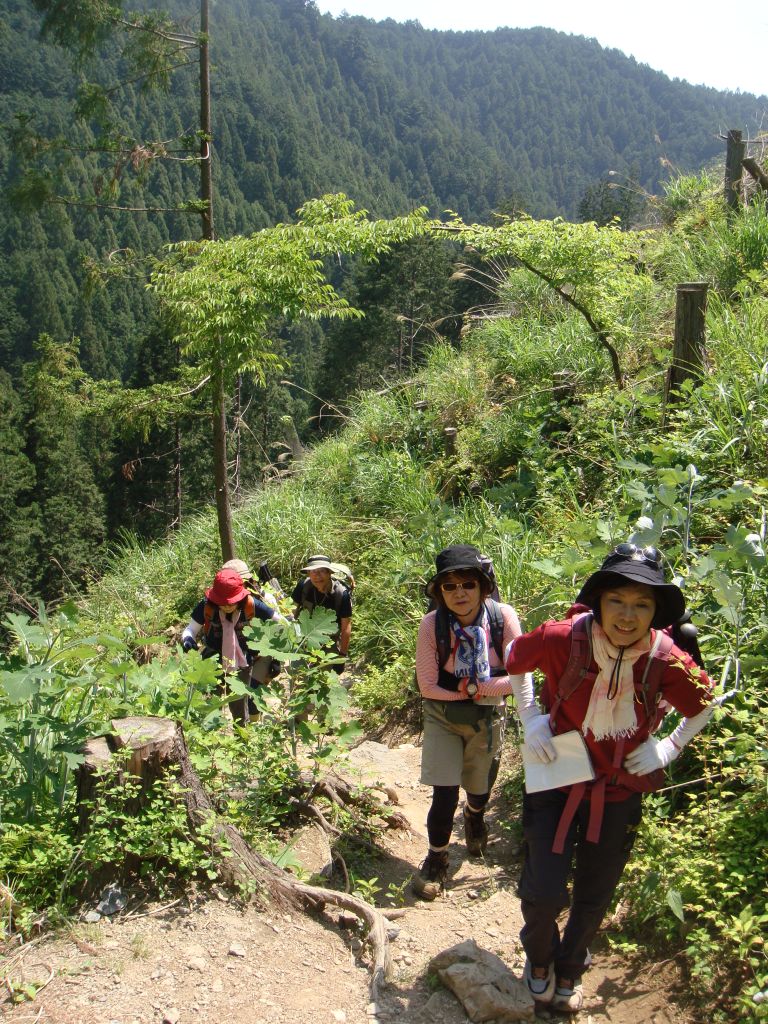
x=337, y=593
x=248, y=609
x=580, y=658
x=443, y=636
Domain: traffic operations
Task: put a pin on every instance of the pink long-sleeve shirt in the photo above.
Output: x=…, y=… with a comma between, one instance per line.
x=427, y=668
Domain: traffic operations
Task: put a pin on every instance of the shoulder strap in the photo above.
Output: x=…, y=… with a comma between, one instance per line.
x=579, y=658
x=442, y=635
x=305, y=592
x=658, y=658
x=496, y=620
x=249, y=607
x=208, y=609
x=338, y=592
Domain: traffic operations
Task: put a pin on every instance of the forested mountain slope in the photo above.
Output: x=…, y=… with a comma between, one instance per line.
x=393, y=115
x=303, y=104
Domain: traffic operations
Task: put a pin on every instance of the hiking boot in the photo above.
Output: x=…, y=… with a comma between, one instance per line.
x=568, y=996
x=475, y=832
x=540, y=982
x=430, y=881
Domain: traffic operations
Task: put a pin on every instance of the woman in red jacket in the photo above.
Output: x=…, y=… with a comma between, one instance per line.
x=620, y=615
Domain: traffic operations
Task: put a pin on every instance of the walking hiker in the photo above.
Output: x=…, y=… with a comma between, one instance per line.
x=610, y=670
x=319, y=589
x=463, y=683
x=220, y=616
x=262, y=669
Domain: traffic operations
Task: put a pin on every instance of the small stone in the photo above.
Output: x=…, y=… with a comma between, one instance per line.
x=217, y=985
x=356, y=945
x=197, y=963
x=492, y=932
x=237, y=949
x=392, y=932
x=92, y=917
x=371, y=1010
x=172, y=1015
x=339, y=1015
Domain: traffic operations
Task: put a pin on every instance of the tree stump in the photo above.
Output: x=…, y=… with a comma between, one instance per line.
x=157, y=747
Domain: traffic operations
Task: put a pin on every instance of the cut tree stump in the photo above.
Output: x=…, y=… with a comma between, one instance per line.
x=157, y=747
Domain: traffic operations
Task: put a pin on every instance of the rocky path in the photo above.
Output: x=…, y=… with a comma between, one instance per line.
x=204, y=960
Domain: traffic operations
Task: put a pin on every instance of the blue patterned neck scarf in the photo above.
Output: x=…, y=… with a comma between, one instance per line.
x=471, y=650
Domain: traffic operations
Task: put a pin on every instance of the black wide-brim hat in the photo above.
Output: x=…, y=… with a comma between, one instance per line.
x=618, y=570
x=457, y=558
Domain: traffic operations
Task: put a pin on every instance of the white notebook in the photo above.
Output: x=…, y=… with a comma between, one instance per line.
x=571, y=765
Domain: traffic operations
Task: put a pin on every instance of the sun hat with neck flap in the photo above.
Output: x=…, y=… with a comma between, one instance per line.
x=457, y=558
x=227, y=588
x=240, y=567
x=635, y=566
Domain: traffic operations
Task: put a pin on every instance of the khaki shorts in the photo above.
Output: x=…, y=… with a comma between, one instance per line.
x=460, y=755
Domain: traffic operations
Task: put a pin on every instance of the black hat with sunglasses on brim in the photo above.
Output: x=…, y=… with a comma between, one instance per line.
x=630, y=564
x=458, y=558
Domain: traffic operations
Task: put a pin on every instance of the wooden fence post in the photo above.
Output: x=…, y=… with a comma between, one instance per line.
x=688, y=355
x=734, y=154
x=449, y=434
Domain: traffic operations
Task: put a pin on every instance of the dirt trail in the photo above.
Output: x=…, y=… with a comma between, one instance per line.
x=207, y=961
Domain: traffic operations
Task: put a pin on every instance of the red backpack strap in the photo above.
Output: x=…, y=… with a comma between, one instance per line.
x=658, y=659
x=579, y=657
x=579, y=660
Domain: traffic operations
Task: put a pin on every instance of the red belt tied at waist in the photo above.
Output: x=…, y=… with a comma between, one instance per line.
x=576, y=794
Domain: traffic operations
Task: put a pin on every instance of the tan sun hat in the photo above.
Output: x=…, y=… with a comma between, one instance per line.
x=240, y=567
x=318, y=562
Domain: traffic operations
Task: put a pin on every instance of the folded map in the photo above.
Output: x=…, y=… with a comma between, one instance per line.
x=571, y=765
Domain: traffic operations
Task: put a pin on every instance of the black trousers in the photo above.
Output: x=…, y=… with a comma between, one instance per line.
x=597, y=868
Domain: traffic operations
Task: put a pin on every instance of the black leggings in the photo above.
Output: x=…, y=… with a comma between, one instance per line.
x=445, y=800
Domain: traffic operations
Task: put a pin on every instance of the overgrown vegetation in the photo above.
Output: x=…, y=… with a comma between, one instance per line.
x=547, y=474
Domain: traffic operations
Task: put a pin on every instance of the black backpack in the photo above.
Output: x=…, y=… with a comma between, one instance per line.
x=336, y=594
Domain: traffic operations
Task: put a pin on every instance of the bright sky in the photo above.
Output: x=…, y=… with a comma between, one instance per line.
x=725, y=46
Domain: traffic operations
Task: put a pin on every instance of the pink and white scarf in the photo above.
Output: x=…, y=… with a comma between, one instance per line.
x=232, y=657
x=611, y=711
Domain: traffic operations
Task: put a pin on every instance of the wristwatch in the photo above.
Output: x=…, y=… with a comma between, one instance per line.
x=471, y=688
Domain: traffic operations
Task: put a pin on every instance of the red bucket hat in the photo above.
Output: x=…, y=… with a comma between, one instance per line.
x=227, y=588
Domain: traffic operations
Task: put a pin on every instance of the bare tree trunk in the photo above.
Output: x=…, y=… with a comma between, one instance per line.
x=220, y=474
x=206, y=140
x=223, y=505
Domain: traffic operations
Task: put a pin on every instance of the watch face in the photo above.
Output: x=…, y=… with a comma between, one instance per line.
x=471, y=689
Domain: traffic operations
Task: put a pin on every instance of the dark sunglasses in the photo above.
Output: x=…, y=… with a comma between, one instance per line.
x=448, y=588
x=647, y=554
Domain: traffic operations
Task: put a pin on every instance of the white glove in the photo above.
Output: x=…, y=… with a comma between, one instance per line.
x=653, y=754
x=536, y=730
x=650, y=755
x=538, y=738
